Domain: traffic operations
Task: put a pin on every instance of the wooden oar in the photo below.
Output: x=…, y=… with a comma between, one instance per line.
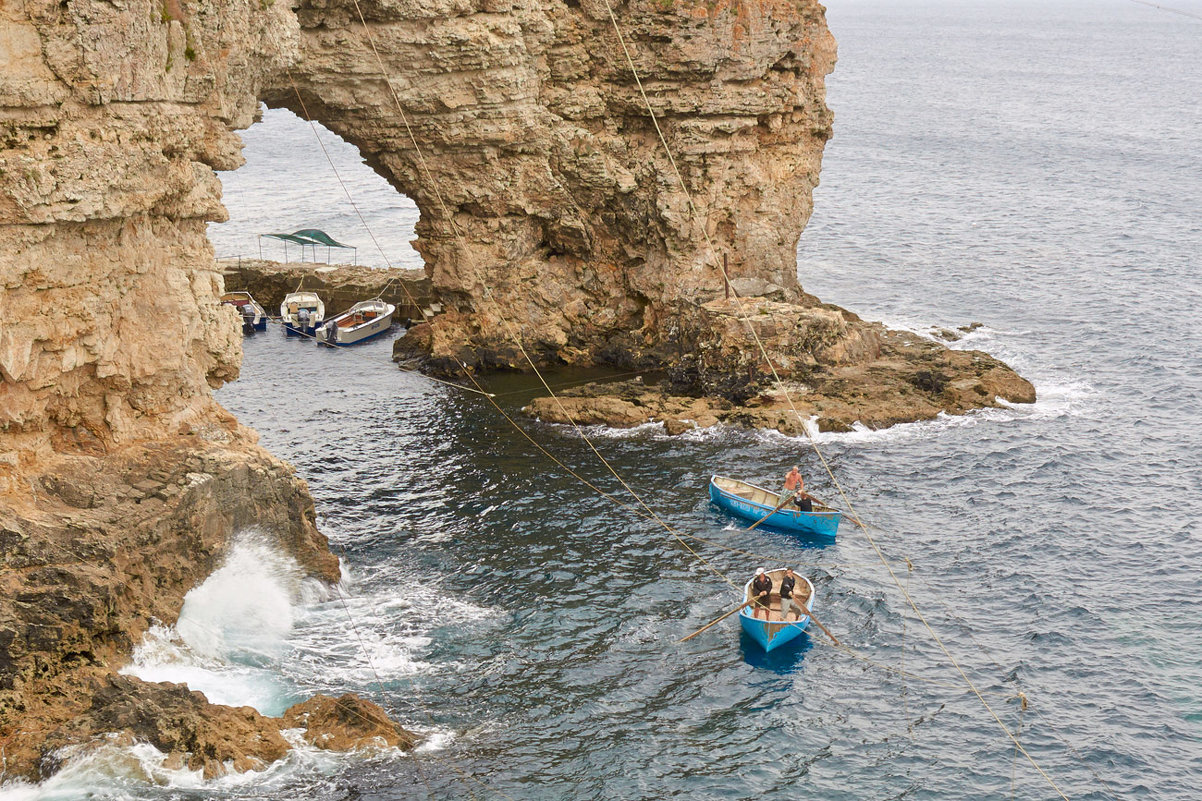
x=779, y=506
x=825, y=630
x=719, y=619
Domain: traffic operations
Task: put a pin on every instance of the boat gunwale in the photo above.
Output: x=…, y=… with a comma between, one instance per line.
x=747, y=614
x=388, y=310
x=828, y=513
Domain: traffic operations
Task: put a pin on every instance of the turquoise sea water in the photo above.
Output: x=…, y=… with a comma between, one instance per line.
x=1033, y=167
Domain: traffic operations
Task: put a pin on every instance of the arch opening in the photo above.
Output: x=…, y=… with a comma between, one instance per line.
x=288, y=184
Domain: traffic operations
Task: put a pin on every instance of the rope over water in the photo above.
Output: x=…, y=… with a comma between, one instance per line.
x=645, y=510
x=813, y=442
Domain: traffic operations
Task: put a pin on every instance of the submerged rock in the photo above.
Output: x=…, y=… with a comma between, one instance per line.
x=346, y=723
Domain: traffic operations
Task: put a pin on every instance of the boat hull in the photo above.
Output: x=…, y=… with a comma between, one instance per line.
x=819, y=524
x=250, y=322
x=362, y=333
x=290, y=313
x=363, y=321
x=773, y=632
x=291, y=330
x=770, y=635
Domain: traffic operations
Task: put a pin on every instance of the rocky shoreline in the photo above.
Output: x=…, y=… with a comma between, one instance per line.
x=105, y=545
x=833, y=367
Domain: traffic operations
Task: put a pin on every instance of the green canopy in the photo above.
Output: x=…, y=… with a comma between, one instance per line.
x=307, y=237
x=320, y=238
x=296, y=240
x=310, y=236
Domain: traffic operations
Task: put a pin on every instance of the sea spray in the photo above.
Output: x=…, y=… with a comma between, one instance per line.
x=244, y=611
x=233, y=629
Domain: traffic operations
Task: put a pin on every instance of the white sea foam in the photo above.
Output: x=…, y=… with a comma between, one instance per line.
x=611, y=432
x=233, y=629
x=1052, y=400
x=376, y=631
x=434, y=740
x=255, y=633
x=245, y=610
x=115, y=772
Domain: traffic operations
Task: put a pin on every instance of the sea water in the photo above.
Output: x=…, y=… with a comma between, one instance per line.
x=1030, y=166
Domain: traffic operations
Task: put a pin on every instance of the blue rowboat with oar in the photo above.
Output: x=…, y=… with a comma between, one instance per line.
x=773, y=631
x=755, y=503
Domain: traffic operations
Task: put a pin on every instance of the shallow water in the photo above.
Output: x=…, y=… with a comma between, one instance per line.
x=1031, y=167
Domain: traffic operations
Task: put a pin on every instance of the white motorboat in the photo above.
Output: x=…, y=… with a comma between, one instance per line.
x=364, y=320
x=254, y=318
x=302, y=313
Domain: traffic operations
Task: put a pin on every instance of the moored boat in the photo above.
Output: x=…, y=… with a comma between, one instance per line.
x=364, y=320
x=302, y=313
x=775, y=631
x=254, y=318
x=754, y=503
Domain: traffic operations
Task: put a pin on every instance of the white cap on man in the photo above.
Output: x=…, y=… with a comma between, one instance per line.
x=759, y=571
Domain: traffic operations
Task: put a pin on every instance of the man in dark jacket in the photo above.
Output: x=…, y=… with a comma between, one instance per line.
x=787, y=604
x=761, y=591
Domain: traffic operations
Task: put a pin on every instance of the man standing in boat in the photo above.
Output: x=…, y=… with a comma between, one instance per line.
x=793, y=484
x=787, y=604
x=761, y=590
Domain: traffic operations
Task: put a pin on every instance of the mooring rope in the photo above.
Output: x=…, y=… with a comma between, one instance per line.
x=502, y=316
x=805, y=428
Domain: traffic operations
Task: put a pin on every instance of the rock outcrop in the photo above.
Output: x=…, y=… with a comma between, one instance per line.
x=121, y=479
x=755, y=363
x=548, y=205
x=345, y=724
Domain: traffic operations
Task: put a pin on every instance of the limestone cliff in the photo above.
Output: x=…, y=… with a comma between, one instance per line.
x=121, y=480
x=546, y=198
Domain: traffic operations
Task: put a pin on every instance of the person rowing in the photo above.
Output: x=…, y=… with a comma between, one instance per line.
x=793, y=483
x=761, y=591
x=787, y=604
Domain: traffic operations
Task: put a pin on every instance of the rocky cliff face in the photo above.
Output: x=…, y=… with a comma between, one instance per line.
x=114, y=117
x=547, y=200
x=121, y=480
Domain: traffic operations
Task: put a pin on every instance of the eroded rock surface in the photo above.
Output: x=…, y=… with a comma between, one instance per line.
x=832, y=367
x=346, y=723
x=122, y=482
x=549, y=209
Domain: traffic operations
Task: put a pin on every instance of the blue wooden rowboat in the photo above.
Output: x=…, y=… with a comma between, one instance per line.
x=752, y=502
x=775, y=632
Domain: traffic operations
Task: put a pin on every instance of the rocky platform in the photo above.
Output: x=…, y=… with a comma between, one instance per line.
x=833, y=367
x=105, y=545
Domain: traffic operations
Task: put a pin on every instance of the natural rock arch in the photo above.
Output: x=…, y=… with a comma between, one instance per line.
x=547, y=201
